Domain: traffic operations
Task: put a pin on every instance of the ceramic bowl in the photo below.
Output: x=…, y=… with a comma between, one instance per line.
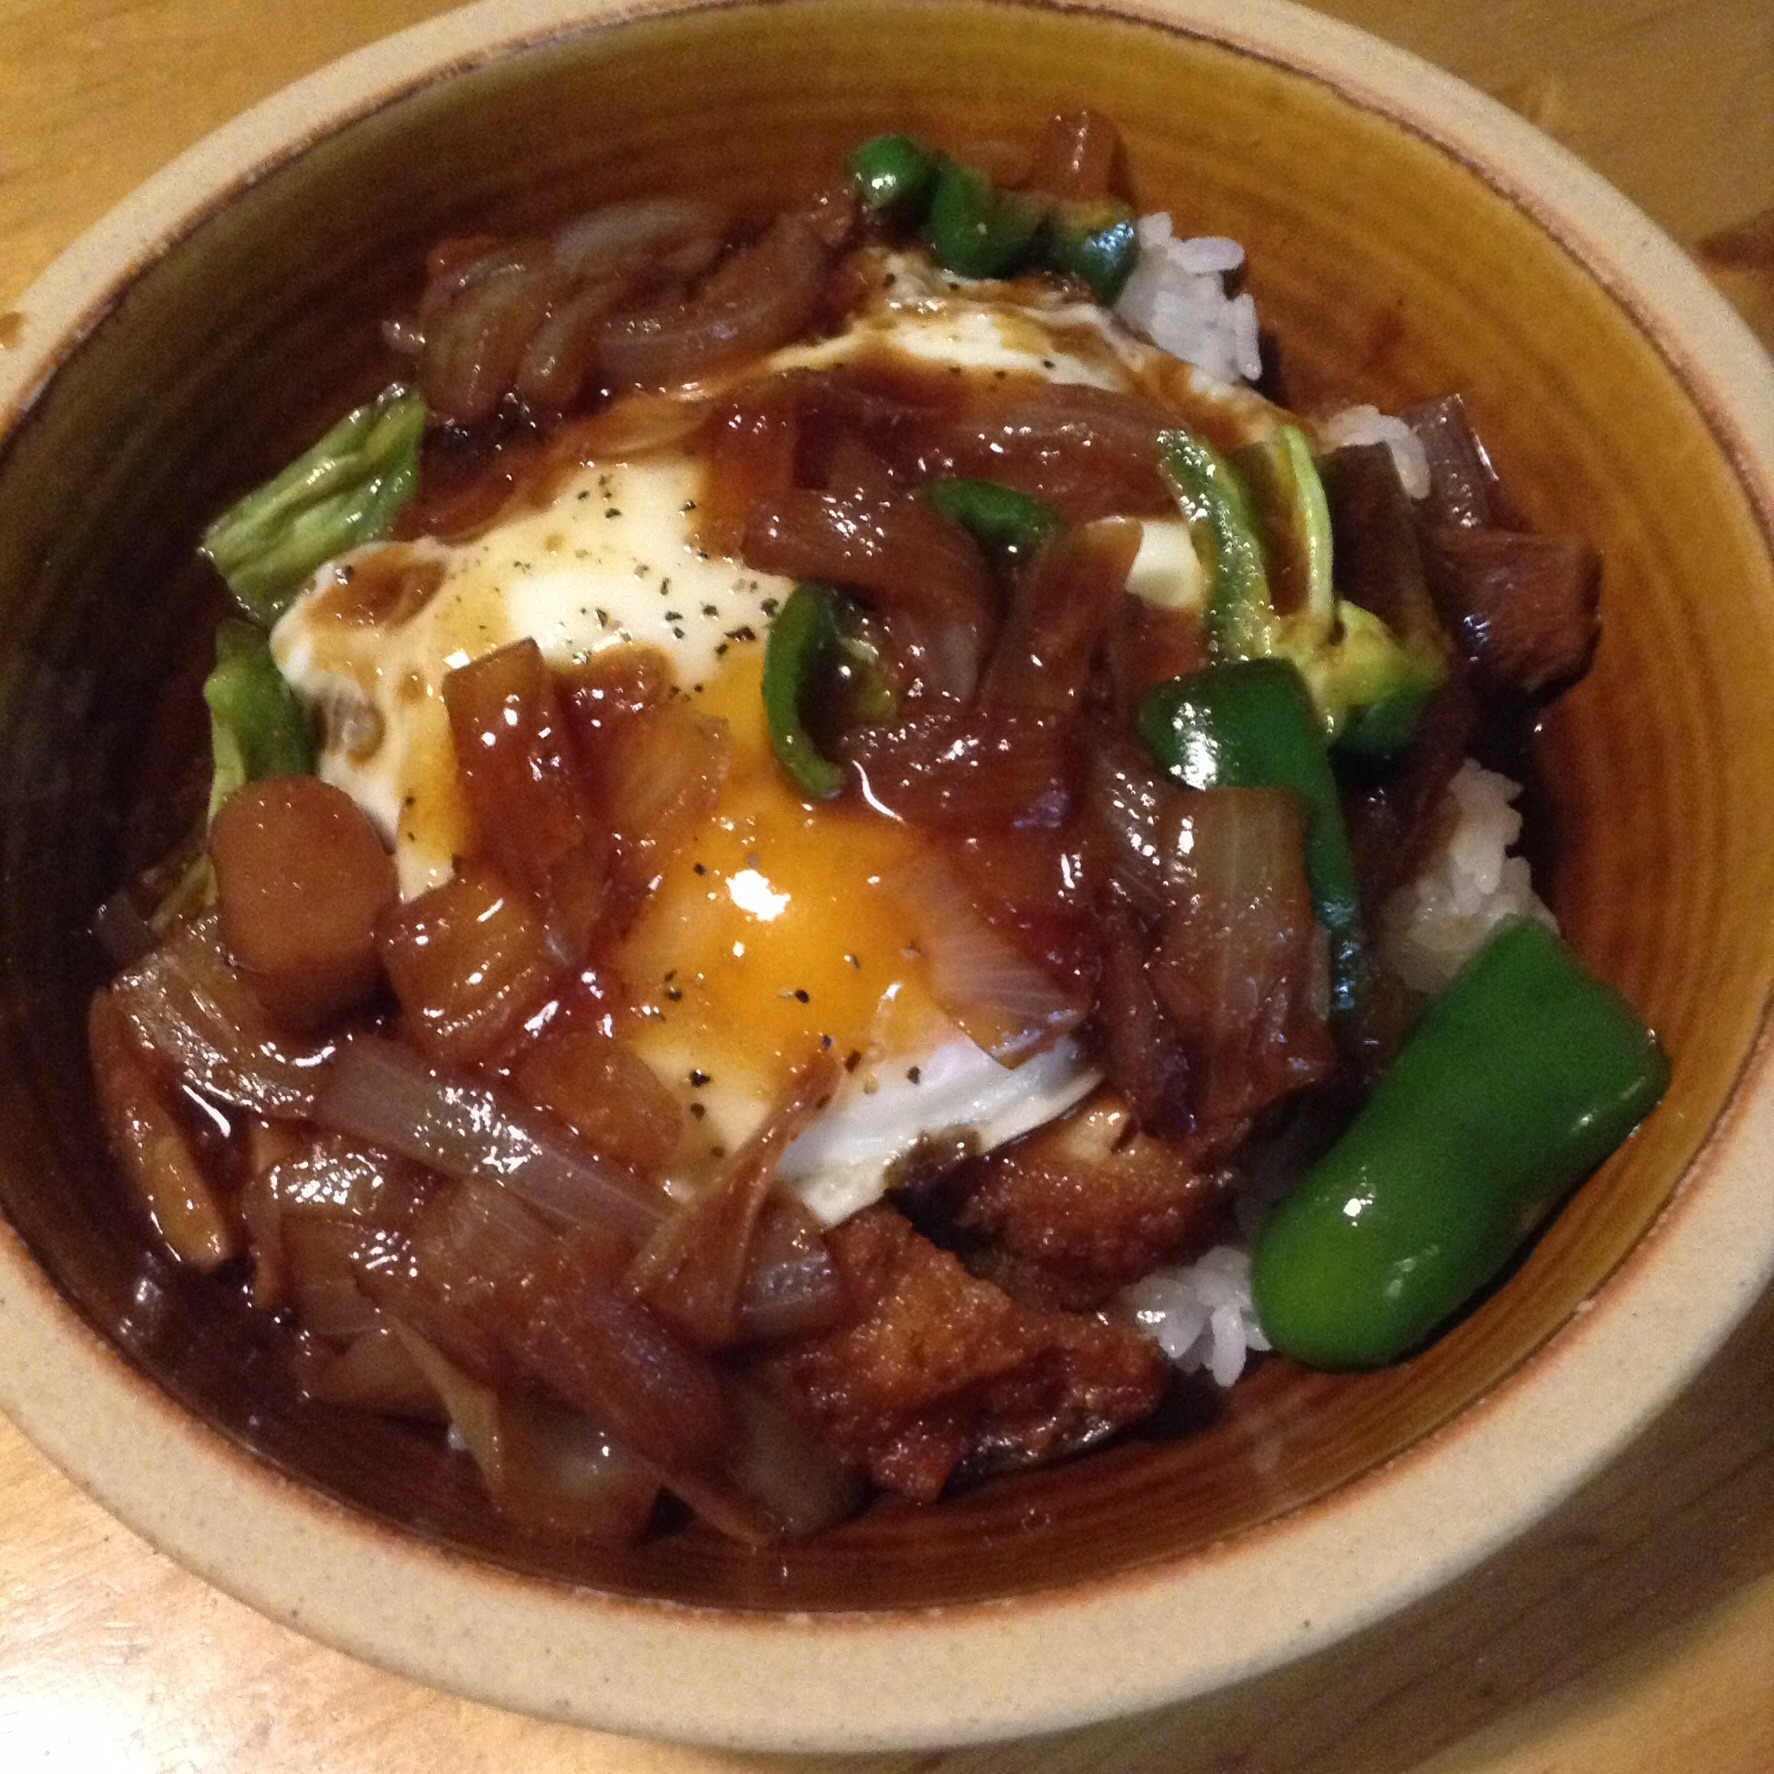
x=1405, y=237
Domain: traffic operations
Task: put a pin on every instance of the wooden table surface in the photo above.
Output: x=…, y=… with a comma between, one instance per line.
x=1632, y=1632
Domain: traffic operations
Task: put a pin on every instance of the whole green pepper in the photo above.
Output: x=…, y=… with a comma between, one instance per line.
x=893, y=175
x=1524, y=1074
x=804, y=638
x=976, y=230
x=998, y=517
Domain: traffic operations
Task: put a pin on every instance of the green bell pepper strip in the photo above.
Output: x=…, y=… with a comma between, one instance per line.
x=893, y=176
x=1524, y=1074
x=1240, y=619
x=1264, y=512
x=257, y=725
x=998, y=517
x=976, y=230
x=804, y=638
x=1251, y=724
x=343, y=492
x=1292, y=519
x=1094, y=242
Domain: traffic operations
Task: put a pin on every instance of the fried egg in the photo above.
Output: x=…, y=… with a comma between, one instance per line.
x=776, y=934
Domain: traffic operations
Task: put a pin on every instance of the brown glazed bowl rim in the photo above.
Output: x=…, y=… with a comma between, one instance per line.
x=856, y=1681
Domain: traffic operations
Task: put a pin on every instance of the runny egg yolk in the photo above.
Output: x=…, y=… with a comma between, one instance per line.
x=775, y=935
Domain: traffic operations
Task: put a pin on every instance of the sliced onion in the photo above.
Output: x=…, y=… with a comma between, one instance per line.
x=597, y=1349
x=968, y=769
x=150, y=1145
x=377, y=1373
x=561, y=350
x=662, y=776
x=683, y=233
x=1010, y=1006
x=1122, y=798
x=792, y=1287
x=912, y=564
x=562, y=1472
x=1142, y=1049
x=474, y=346
x=760, y=298
x=188, y=1005
x=1241, y=965
x=1088, y=452
x=473, y=1409
x=778, y=1482
x=383, y=1092
x=693, y=1271
x=323, y=1257
x=632, y=425
x=1058, y=614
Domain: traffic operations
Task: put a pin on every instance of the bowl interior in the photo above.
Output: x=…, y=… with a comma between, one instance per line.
x=1388, y=271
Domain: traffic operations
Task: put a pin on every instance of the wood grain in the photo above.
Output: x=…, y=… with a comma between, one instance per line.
x=1632, y=1633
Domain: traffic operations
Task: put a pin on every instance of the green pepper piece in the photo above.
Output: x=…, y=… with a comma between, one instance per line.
x=1240, y=619
x=257, y=725
x=1251, y=724
x=1384, y=683
x=803, y=639
x=998, y=517
x=1525, y=1073
x=1261, y=520
x=343, y=492
x=1288, y=507
x=893, y=175
x=975, y=229
x=1094, y=242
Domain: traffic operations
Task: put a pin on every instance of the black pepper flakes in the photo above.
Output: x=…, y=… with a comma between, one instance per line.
x=914, y=1073
x=802, y=995
x=698, y=1078
x=699, y=1110
x=853, y=1059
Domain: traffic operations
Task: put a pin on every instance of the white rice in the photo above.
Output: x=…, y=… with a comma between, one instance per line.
x=1469, y=885
x=1177, y=298
x=1201, y=1313
x=1368, y=425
